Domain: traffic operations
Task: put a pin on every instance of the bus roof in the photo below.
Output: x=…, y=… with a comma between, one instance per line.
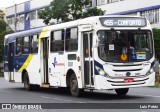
x=89, y=20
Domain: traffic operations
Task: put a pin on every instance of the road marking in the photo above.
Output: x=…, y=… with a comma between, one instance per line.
x=146, y=95
x=67, y=100
x=4, y=91
x=61, y=99
x=45, y=97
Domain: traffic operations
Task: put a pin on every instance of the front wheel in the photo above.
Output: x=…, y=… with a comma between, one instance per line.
x=122, y=91
x=75, y=91
x=27, y=85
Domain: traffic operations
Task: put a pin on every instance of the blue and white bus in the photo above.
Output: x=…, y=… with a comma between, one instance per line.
x=102, y=53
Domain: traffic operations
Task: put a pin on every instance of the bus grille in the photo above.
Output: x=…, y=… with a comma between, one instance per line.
x=127, y=67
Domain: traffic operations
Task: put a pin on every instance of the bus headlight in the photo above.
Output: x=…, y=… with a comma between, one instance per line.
x=150, y=71
x=101, y=72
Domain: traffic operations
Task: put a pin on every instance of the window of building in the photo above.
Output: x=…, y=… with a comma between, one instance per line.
x=34, y=43
x=151, y=15
x=32, y=15
x=57, y=41
x=13, y=20
x=71, y=39
x=102, y=2
x=27, y=16
x=21, y=18
x=9, y=21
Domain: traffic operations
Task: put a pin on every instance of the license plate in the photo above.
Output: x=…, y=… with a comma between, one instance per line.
x=128, y=80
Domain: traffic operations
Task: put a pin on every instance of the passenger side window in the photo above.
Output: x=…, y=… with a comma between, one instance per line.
x=26, y=45
x=34, y=43
x=57, y=41
x=71, y=39
x=6, y=50
x=19, y=46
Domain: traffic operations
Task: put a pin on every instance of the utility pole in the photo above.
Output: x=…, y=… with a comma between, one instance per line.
x=15, y=20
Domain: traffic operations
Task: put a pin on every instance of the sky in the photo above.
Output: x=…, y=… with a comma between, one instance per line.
x=8, y=3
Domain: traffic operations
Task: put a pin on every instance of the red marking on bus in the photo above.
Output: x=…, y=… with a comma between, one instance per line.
x=128, y=80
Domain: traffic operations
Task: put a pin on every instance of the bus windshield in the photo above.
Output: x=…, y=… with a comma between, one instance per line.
x=122, y=46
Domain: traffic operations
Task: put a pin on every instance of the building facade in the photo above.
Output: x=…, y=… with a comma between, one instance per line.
x=4, y=11
x=27, y=12
x=145, y=8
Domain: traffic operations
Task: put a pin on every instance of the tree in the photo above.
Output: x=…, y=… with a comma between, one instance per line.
x=67, y=10
x=3, y=32
x=93, y=12
x=1, y=15
x=156, y=34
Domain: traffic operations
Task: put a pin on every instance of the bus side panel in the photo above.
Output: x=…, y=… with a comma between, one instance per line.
x=56, y=68
x=74, y=65
x=17, y=77
x=33, y=70
x=19, y=61
x=6, y=69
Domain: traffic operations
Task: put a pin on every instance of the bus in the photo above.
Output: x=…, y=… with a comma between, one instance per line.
x=94, y=53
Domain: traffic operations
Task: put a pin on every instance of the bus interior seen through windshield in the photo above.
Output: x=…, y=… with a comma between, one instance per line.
x=135, y=45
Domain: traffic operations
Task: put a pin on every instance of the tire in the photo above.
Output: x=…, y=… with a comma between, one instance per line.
x=122, y=92
x=75, y=91
x=27, y=85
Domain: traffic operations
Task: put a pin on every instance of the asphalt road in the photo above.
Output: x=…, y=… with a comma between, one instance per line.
x=14, y=93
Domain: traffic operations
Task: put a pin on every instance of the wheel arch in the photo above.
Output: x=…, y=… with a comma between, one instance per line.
x=23, y=72
x=68, y=77
x=70, y=72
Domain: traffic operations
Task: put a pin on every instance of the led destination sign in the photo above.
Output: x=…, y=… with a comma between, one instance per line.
x=123, y=21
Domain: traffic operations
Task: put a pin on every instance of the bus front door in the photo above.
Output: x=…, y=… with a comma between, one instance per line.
x=10, y=61
x=44, y=61
x=87, y=60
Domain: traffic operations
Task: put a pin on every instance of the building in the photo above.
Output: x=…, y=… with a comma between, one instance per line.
x=4, y=11
x=145, y=8
x=27, y=12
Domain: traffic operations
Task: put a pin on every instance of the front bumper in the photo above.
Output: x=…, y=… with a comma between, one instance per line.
x=102, y=82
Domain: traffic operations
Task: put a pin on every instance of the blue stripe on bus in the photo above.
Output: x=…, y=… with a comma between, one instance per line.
x=152, y=64
x=18, y=61
x=98, y=65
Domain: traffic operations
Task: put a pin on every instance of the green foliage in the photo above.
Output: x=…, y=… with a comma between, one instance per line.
x=59, y=10
x=43, y=14
x=1, y=14
x=156, y=35
x=93, y=12
x=3, y=32
x=2, y=29
x=67, y=10
x=2, y=26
